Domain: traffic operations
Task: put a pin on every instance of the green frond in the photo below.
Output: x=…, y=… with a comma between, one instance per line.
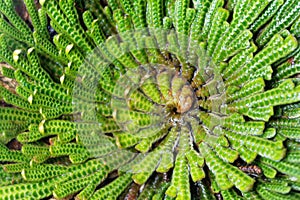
x=285, y=16
x=283, y=166
x=12, y=156
x=16, y=21
x=47, y=47
x=226, y=173
x=143, y=170
x=114, y=189
x=74, y=31
x=179, y=187
x=91, y=187
x=15, y=167
x=37, y=190
x=150, y=99
x=271, y=10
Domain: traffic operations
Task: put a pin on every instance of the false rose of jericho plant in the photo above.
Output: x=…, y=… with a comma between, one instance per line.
x=150, y=99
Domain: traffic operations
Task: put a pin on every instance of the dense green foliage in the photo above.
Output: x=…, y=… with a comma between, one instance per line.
x=151, y=99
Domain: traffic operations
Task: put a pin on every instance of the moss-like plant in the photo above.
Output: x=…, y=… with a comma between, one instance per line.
x=151, y=99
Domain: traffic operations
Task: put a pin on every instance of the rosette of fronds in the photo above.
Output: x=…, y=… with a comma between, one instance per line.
x=150, y=99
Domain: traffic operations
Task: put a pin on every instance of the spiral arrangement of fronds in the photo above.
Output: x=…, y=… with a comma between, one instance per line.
x=150, y=99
